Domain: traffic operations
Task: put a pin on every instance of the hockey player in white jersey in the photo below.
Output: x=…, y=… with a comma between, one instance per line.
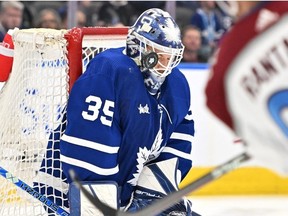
x=129, y=112
x=248, y=86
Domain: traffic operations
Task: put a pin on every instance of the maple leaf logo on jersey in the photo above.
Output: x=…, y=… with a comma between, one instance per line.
x=144, y=109
x=145, y=155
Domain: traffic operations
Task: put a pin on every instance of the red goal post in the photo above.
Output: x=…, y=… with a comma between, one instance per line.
x=82, y=38
x=46, y=64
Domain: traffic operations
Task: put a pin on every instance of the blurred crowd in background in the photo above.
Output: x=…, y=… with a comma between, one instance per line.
x=202, y=23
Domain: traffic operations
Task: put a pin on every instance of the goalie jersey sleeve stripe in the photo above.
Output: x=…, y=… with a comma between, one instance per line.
x=178, y=153
x=182, y=136
x=90, y=167
x=90, y=144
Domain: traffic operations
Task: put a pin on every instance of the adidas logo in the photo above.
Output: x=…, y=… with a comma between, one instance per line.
x=265, y=18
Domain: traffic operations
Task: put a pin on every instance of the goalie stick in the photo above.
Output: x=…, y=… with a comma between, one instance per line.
x=43, y=199
x=170, y=199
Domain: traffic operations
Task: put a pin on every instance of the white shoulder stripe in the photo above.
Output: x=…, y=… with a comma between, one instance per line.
x=178, y=153
x=90, y=144
x=90, y=167
x=182, y=136
x=6, y=51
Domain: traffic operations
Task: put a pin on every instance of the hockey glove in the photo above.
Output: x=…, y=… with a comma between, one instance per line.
x=156, y=181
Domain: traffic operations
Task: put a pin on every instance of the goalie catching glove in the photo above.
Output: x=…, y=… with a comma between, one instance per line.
x=156, y=181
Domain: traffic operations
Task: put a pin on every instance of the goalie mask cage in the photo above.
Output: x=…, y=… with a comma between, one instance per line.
x=46, y=64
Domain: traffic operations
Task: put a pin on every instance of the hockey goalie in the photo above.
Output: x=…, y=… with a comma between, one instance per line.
x=129, y=128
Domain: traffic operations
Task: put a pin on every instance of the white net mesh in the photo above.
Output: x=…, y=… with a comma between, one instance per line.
x=31, y=107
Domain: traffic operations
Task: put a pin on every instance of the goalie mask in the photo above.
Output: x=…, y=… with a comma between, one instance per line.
x=154, y=43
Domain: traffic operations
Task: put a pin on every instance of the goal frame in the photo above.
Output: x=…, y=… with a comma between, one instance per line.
x=75, y=39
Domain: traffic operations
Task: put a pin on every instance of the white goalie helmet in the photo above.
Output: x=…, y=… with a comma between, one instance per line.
x=155, y=34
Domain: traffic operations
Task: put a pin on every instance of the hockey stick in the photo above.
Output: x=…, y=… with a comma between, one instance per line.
x=43, y=199
x=172, y=198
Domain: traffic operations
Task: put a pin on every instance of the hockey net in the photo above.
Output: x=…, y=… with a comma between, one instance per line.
x=46, y=64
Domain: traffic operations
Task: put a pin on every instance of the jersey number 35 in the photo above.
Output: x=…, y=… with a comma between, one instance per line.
x=94, y=108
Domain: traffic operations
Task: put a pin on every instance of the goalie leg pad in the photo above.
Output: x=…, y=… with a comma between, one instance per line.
x=107, y=192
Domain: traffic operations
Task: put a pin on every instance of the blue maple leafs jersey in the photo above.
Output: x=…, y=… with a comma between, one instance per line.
x=115, y=127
